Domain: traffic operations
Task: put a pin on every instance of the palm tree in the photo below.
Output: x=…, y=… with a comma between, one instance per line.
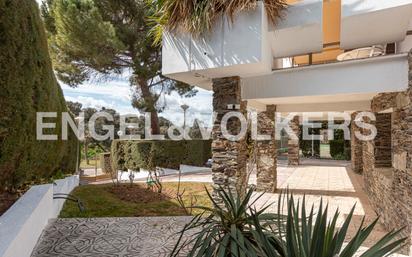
x=198, y=16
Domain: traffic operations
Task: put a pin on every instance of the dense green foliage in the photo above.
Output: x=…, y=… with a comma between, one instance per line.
x=28, y=86
x=100, y=38
x=164, y=153
x=339, y=147
x=236, y=228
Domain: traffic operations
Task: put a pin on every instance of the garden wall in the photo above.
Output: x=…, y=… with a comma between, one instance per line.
x=22, y=225
x=28, y=86
x=136, y=155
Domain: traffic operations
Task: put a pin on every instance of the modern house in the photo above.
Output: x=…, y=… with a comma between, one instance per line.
x=322, y=56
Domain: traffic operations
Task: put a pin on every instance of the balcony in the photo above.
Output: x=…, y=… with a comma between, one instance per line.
x=312, y=31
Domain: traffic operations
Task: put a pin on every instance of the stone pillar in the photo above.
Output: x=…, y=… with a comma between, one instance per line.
x=356, y=146
x=293, y=145
x=383, y=141
x=266, y=152
x=229, y=157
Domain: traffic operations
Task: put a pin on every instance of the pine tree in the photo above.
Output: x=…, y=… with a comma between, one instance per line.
x=101, y=38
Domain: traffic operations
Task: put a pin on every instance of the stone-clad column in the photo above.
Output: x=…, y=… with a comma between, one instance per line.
x=266, y=151
x=229, y=157
x=293, y=144
x=356, y=146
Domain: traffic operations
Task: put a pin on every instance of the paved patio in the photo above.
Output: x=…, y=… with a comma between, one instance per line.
x=332, y=181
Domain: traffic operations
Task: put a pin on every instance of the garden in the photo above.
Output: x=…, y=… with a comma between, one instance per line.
x=137, y=200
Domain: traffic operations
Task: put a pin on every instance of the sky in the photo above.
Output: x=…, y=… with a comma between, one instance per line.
x=116, y=94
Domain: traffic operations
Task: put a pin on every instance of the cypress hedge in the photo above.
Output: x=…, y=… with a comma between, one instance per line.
x=27, y=86
x=170, y=154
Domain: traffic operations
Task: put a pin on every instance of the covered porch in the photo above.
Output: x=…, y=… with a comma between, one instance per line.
x=379, y=85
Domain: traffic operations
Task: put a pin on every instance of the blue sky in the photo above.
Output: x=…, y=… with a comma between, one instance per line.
x=116, y=94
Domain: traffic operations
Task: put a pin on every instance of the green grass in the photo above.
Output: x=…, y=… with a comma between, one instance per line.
x=99, y=201
x=91, y=165
x=325, y=151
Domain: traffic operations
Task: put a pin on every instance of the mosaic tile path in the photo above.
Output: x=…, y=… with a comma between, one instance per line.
x=110, y=237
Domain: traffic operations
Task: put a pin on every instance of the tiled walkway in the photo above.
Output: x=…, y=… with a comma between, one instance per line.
x=331, y=181
x=336, y=184
x=111, y=237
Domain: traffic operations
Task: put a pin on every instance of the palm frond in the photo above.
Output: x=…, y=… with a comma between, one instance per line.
x=199, y=16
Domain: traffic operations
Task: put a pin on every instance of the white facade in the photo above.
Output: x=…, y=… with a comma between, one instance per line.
x=300, y=32
x=342, y=82
x=373, y=22
x=240, y=48
x=260, y=54
x=247, y=48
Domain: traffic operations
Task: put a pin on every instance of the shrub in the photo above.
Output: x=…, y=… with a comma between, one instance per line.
x=105, y=163
x=118, y=155
x=236, y=228
x=337, y=148
x=28, y=85
x=306, y=147
x=166, y=153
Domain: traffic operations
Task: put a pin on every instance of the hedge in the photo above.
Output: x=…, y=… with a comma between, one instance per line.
x=28, y=85
x=339, y=147
x=135, y=155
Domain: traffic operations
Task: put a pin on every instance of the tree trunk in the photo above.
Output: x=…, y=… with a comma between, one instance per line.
x=86, y=149
x=150, y=106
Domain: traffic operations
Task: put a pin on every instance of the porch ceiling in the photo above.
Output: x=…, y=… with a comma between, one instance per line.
x=344, y=86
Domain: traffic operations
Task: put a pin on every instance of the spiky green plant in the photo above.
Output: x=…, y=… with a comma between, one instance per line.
x=198, y=16
x=236, y=228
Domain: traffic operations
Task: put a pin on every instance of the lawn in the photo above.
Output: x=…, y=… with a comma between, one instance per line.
x=325, y=151
x=92, y=164
x=133, y=201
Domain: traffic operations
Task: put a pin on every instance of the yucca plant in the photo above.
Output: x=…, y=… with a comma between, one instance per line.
x=228, y=228
x=198, y=16
x=235, y=228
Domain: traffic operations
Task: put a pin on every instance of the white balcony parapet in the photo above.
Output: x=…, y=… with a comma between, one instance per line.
x=373, y=22
x=245, y=47
x=358, y=80
x=300, y=31
x=231, y=49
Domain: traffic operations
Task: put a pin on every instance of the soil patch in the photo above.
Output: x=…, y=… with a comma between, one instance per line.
x=139, y=194
x=7, y=200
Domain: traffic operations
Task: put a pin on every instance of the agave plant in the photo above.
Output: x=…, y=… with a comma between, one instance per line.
x=236, y=228
x=228, y=228
x=198, y=16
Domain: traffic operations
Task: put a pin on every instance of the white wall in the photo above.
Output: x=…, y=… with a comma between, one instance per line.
x=64, y=186
x=300, y=32
x=367, y=76
x=22, y=225
x=230, y=49
x=372, y=22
